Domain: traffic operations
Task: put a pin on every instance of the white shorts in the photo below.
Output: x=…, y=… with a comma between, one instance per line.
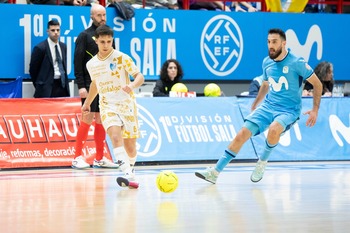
x=122, y=114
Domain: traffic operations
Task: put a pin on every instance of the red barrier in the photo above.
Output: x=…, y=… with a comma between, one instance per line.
x=41, y=132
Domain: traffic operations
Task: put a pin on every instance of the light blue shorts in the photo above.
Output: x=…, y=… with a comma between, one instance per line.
x=264, y=115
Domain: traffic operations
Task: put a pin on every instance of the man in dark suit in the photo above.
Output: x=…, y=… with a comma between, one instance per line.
x=48, y=65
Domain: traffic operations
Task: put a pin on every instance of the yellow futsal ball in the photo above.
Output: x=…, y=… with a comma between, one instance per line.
x=179, y=87
x=212, y=90
x=167, y=181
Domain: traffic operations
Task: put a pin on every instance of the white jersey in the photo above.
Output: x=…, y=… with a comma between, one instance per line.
x=110, y=75
x=116, y=106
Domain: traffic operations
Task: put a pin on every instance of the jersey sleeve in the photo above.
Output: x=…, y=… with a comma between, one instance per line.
x=303, y=68
x=129, y=65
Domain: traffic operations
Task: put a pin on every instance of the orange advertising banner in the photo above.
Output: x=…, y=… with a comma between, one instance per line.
x=41, y=132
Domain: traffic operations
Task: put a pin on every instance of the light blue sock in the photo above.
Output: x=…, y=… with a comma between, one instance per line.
x=224, y=160
x=267, y=151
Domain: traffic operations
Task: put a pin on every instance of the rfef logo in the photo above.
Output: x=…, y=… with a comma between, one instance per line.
x=221, y=45
x=150, y=140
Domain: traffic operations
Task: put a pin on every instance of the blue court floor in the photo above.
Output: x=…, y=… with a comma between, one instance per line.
x=292, y=197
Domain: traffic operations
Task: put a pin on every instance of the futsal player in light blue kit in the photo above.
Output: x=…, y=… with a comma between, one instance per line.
x=280, y=94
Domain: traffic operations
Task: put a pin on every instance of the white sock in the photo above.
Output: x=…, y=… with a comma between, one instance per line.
x=132, y=161
x=123, y=157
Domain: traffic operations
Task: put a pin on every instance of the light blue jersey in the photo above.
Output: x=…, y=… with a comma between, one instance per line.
x=285, y=79
x=283, y=101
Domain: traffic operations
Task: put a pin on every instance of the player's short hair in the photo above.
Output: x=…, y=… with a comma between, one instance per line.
x=53, y=22
x=104, y=30
x=278, y=31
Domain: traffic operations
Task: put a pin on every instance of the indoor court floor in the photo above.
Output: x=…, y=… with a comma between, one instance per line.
x=292, y=197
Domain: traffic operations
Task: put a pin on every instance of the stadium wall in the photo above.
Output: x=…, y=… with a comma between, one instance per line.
x=222, y=47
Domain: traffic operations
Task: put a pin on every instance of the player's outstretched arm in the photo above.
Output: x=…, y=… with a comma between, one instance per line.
x=139, y=79
x=90, y=97
x=317, y=93
x=264, y=88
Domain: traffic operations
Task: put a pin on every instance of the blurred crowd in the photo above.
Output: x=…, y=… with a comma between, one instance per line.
x=301, y=6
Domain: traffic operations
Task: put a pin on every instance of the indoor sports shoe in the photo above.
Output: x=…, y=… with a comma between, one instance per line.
x=105, y=163
x=80, y=163
x=128, y=181
x=210, y=174
x=258, y=172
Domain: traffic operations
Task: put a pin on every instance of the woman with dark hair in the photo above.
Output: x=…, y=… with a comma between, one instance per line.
x=324, y=71
x=170, y=74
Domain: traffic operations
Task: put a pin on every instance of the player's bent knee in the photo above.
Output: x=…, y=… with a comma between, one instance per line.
x=276, y=129
x=252, y=127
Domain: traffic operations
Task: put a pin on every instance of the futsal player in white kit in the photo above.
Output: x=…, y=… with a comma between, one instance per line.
x=110, y=72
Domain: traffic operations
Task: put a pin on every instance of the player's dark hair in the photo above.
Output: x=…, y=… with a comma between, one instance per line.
x=53, y=22
x=104, y=30
x=164, y=71
x=279, y=32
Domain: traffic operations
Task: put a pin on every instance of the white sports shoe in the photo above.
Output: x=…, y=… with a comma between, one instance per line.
x=80, y=163
x=258, y=172
x=128, y=180
x=210, y=175
x=105, y=163
x=130, y=176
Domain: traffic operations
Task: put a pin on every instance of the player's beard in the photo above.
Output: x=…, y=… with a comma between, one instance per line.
x=276, y=53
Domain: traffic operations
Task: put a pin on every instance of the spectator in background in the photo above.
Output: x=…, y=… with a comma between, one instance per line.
x=346, y=8
x=152, y=4
x=63, y=2
x=170, y=74
x=255, y=85
x=320, y=8
x=48, y=65
x=324, y=71
x=85, y=49
x=312, y=8
x=45, y=2
x=80, y=2
x=244, y=7
x=200, y=5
